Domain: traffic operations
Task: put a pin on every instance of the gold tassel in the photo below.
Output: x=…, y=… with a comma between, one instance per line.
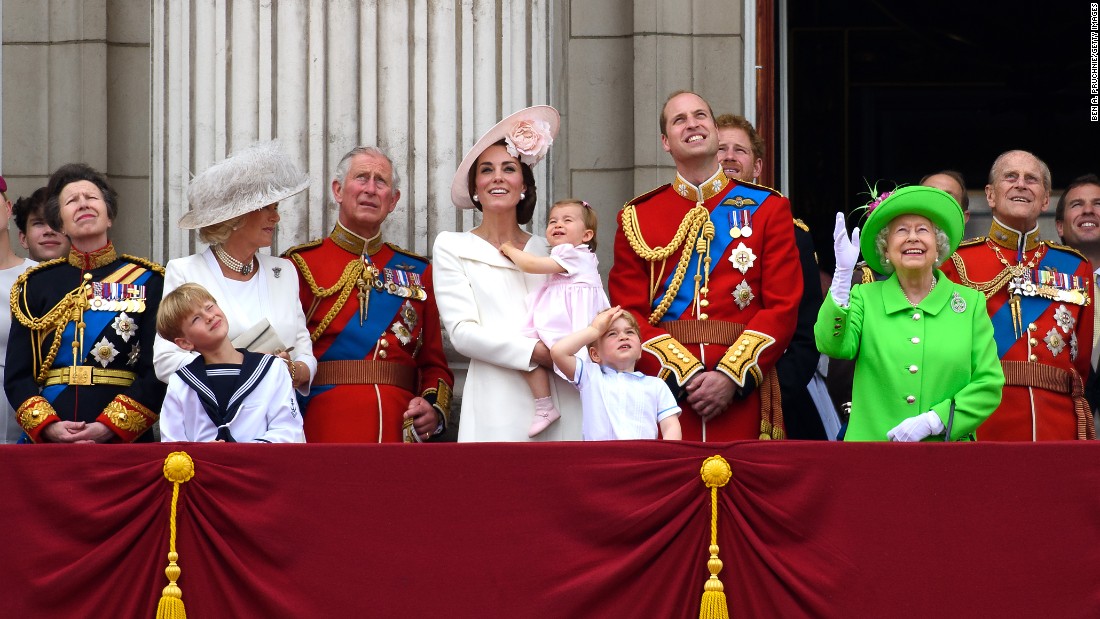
x=716, y=473
x=178, y=468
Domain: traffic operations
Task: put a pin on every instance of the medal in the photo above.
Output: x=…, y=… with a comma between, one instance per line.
x=742, y=258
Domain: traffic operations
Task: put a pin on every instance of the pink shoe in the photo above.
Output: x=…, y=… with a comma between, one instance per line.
x=543, y=420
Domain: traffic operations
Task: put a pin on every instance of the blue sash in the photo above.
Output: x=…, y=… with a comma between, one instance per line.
x=95, y=323
x=355, y=340
x=751, y=199
x=1030, y=307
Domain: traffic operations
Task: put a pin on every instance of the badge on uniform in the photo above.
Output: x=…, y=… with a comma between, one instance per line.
x=104, y=351
x=742, y=294
x=740, y=220
x=1064, y=318
x=124, y=326
x=401, y=332
x=958, y=304
x=742, y=258
x=404, y=284
x=408, y=314
x=114, y=297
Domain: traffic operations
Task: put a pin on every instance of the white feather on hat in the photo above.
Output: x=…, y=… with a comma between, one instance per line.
x=247, y=180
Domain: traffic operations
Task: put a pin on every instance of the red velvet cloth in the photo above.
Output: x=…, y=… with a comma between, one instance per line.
x=554, y=530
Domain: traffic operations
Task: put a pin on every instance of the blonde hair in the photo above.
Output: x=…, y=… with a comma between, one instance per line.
x=587, y=213
x=219, y=232
x=177, y=305
x=630, y=320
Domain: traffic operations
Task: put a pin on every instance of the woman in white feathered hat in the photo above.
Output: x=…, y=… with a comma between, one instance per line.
x=482, y=295
x=234, y=206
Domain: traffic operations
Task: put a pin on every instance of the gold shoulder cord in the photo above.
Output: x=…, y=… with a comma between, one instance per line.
x=347, y=282
x=988, y=288
x=690, y=226
x=69, y=309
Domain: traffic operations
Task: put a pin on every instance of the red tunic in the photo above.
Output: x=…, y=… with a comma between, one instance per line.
x=1051, y=332
x=764, y=298
x=401, y=333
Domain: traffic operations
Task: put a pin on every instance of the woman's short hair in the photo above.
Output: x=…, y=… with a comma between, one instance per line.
x=71, y=173
x=526, y=207
x=177, y=306
x=943, y=247
x=219, y=232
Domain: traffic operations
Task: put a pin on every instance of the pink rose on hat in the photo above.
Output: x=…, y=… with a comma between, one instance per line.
x=529, y=140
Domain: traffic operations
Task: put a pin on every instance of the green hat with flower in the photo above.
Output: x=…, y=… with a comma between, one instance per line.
x=935, y=204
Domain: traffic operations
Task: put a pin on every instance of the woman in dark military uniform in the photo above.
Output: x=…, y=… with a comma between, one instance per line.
x=80, y=353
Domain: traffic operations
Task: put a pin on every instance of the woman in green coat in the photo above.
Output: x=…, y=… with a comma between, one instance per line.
x=926, y=362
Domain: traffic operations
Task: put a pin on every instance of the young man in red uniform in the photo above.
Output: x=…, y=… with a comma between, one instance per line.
x=710, y=269
x=381, y=374
x=1039, y=298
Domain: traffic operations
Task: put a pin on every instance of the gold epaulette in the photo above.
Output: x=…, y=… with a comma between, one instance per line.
x=302, y=246
x=866, y=274
x=759, y=186
x=1066, y=248
x=978, y=240
x=403, y=251
x=41, y=265
x=798, y=223
x=145, y=262
x=647, y=195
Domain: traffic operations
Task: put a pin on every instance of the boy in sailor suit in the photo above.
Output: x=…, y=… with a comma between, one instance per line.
x=226, y=394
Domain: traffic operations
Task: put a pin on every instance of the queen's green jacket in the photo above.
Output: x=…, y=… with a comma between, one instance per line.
x=910, y=360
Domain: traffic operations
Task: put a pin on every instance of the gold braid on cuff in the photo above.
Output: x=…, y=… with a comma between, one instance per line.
x=674, y=358
x=33, y=412
x=129, y=415
x=741, y=358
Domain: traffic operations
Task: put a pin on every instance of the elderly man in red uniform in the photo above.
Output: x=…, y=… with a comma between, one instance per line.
x=1039, y=298
x=381, y=375
x=709, y=267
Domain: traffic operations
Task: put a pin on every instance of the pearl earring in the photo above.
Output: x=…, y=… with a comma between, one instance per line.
x=476, y=198
x=522, y=195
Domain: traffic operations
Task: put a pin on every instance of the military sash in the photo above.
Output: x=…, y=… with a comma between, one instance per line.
x=356, y=340
x=130, y=279
x=1031, y=307
x=738, y=205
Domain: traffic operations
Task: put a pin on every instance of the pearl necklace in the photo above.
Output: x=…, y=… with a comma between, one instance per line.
x=232, y=263
x=930, y=289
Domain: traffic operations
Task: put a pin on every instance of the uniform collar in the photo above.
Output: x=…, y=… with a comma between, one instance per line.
x=88, y=261
x=1015, y=240
x=349, y=241
x=707, y=190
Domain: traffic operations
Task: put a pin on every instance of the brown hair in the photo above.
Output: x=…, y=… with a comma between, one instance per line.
x=1087, y=179
x=587, y=212
x=526, y=207
x=177, y=305
x=71, y=173
x=630, y=320
x=733, y=121
x=958, y=178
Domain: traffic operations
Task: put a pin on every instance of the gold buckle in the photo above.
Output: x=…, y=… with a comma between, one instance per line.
x=80, y=375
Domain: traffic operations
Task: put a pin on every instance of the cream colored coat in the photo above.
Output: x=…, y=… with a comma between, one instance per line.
x=482, y=299
x=282, y=308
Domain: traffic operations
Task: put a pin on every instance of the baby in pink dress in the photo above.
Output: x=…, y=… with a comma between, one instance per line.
x=571, y=297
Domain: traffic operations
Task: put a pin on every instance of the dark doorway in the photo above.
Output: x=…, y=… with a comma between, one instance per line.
x=893, y=91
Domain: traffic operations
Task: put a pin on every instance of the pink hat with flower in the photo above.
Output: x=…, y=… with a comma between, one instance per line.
x=527, y=134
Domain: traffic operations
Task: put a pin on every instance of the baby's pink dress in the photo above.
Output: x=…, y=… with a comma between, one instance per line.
x=568, y=301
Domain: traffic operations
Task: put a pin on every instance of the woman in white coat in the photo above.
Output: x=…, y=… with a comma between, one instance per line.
x=234, y=205
x=482, y=296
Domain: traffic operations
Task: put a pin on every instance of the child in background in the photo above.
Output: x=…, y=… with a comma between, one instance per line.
x=618, y=403
x=571, y=296
x=226, y=394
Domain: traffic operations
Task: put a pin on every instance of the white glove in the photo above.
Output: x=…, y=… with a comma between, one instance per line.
x=847, y=253
x=914, y=429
